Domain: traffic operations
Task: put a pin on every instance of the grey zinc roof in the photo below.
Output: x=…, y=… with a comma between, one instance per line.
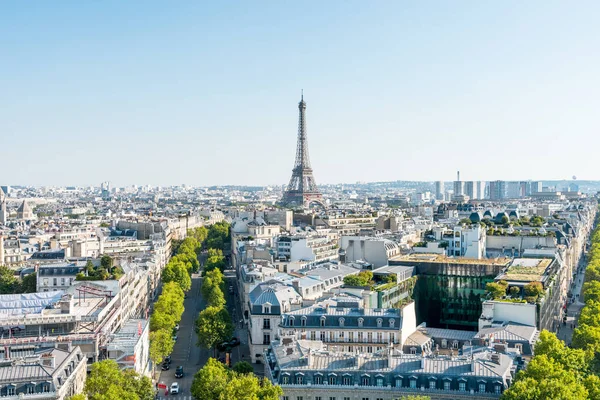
x=397, y=364
x=449, y=334
x=510, y=332
x=272, y=292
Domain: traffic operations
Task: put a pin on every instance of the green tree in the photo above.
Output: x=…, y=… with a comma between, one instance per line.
x=573, y=360
x=176, y=271
x=79, y=396
x=590, y=314
x=8, y=280
x=210, y=381
x=587, y=337
x=161, y=345
x=241, y=387
x=496, y=290
x=243, y=367
x=160, y=321
x=515, y=291
x=363, y=278
x=138, y=384
x=213, y=326
x=591, y=291
x=106, y=382
x=28, y=283
x=215, y=298
x=215, y=260
x=533, y=289
x=106, y=262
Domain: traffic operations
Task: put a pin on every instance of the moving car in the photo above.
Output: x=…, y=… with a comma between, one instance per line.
x=174, y=388
x=179, y=372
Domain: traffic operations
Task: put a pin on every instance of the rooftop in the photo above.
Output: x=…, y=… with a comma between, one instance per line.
x=442, y=259
x=526, y=269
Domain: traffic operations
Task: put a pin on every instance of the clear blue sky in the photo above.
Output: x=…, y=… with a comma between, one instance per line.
x=202, y=93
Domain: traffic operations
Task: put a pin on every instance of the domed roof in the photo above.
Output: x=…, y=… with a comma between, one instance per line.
x=499, y=217
x=513, y=213
x=487, y=213
x=475, y=217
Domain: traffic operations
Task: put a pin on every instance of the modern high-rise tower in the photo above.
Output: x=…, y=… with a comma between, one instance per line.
x=302, y=188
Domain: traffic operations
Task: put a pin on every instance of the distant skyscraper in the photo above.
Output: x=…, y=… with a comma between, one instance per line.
x=302, y=187
x=459, y=187
x=479, y=190
x=439, y=190
x=534, y=187
x=497, y=190
x=470, y=189
x=516, y=190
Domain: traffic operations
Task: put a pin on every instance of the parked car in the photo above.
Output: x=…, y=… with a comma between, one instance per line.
x=167, y=359
x=230, y=288
x=174, y=388
x=174, y=338
x=234, y=342
x=177, y=327
x=179, y=372
x=165, y=366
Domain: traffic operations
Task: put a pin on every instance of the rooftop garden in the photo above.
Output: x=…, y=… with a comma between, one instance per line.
x=105, y=271
x=527, y=273
x=500, y=291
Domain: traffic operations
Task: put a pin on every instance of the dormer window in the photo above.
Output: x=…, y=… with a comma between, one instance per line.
x=323, y=321
x=292, y=321
x=392, y=322
x=360, y=322
x=341, y=321
x=379, y=322
x=266, y=309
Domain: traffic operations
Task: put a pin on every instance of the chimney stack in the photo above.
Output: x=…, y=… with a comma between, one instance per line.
x=47, y=360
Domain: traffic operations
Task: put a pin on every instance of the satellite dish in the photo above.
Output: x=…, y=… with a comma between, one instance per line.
x=574, y=177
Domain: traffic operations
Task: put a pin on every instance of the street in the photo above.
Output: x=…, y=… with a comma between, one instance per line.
x=185, y=351
x=565, y=332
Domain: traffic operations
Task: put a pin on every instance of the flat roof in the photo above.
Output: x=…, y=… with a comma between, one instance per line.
x=526, y=269
x=442, y=259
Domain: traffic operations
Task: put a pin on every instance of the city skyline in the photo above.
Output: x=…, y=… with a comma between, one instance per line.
x=392, y=89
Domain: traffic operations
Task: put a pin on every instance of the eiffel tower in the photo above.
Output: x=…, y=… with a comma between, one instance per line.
x=302, y=188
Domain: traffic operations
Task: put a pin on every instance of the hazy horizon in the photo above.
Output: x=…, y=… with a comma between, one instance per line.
x=206, y=93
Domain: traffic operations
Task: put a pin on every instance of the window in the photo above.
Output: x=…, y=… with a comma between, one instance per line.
x=413, y=383
x=299, y=380
x=266, y=309
x=519, y=347
x=10, y=391
x=497, y=389
x=413, y=350
x=369, y=349
x=318, y=379
x=266, y=338
x=462, y=386
x=54, y=281
x=46, y=388
x=62, y=281
x=299, y=398
x=285, y=379
x=455, y=344
x=313, y=335
x=266, y=323
x=444, y=343
x=392, y=337
x=322, y=336
x=370, y=337
x=322, y=321
x=432, y=384
x=332, y=380
x=341, y=321
x=347, y=380
x=331, y=398
x=291, y=321
x=398, y=382
x=482, y=387
x=365, y=381
x=360, y=322
x=446, y=385
x=331, y=336
x=31, y=389
x=303, y=321
x=360, y=336
x=318, y=398
x=285, y=398
x=346, y=398
x=379, y=322
x=379, y=381
x=342, y=335
x=392, y=322
x=379, y=337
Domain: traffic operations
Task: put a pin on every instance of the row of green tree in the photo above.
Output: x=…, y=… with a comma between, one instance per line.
x=561, y=372
x=167, y=313
x=213, y=325
x=13, y=284
x=106, y=381
x=217, y=382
